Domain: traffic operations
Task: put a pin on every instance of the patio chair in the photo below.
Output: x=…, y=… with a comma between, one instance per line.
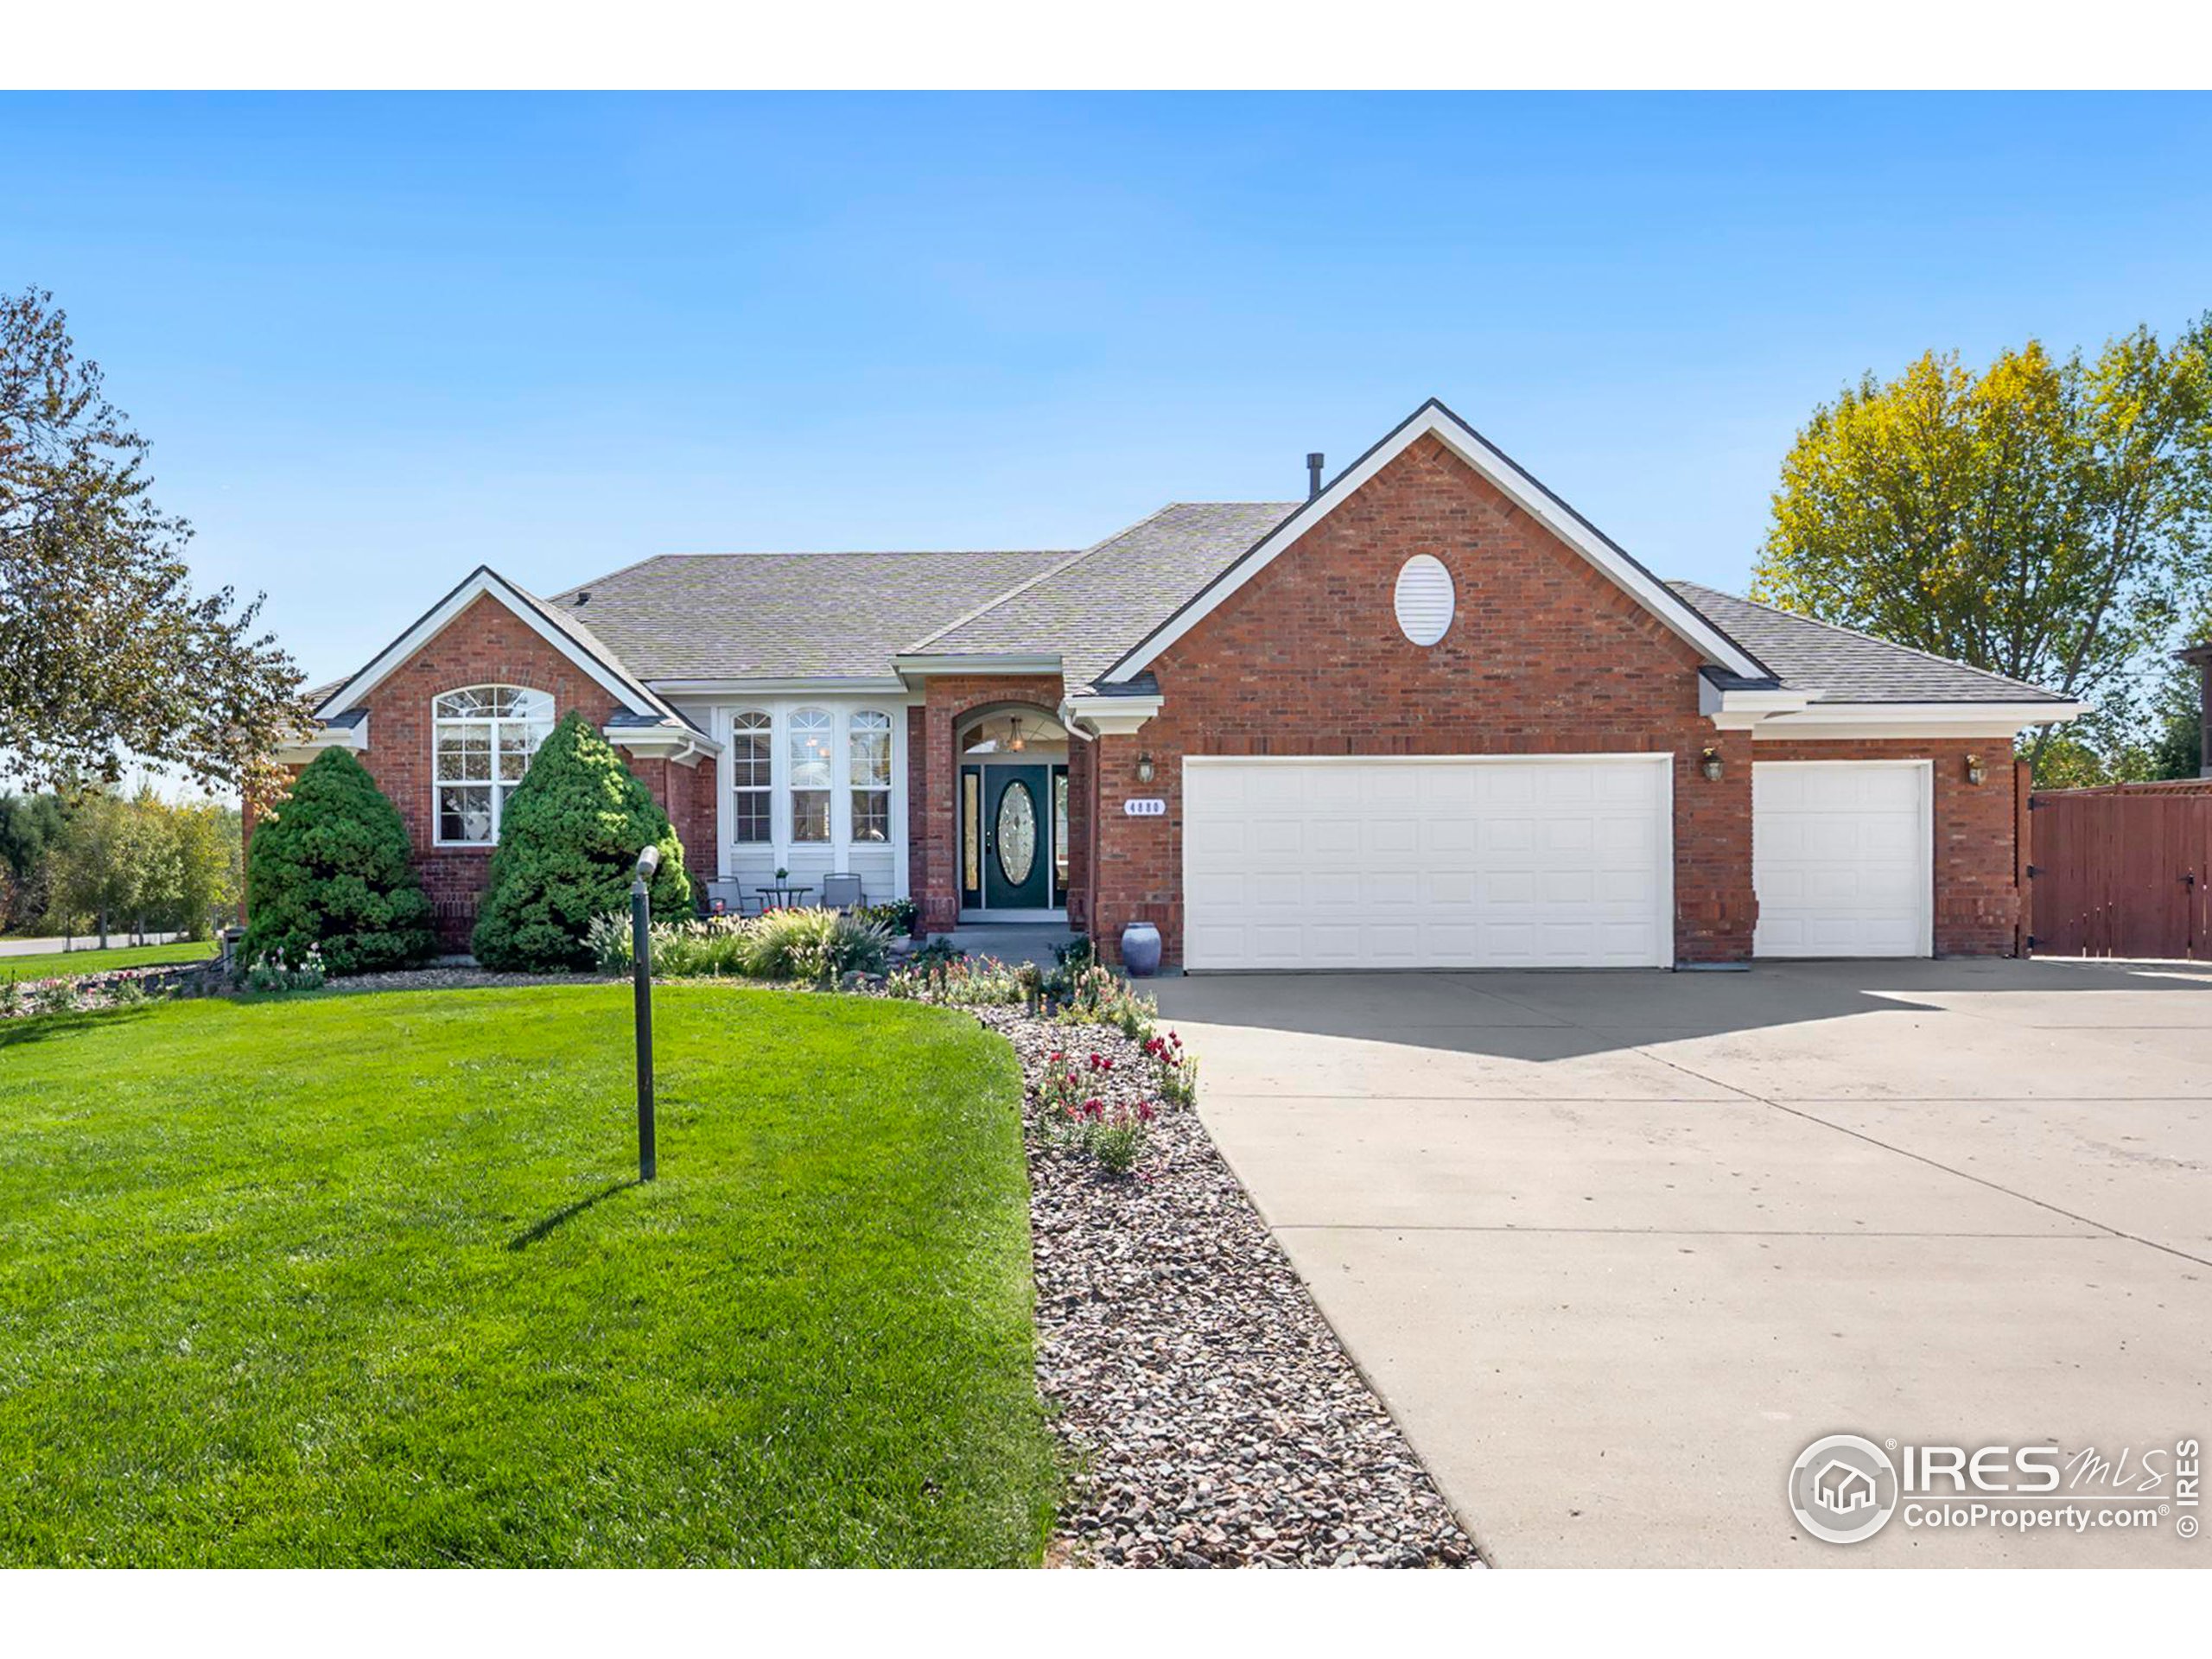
x=841, y=893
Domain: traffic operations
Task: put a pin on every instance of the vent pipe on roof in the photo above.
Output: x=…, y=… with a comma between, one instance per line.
x=1314, y=475
x=584, y=598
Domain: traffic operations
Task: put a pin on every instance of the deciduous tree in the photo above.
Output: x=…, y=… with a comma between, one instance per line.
x=2046, y=519
x=106, y=651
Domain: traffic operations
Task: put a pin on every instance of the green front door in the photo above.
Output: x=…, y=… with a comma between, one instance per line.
x=1017, y=838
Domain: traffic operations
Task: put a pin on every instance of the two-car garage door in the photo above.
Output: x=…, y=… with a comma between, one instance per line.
x=1494, y=861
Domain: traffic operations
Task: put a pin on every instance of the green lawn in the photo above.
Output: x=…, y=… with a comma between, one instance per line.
x=90, y=959
x=364, y=1278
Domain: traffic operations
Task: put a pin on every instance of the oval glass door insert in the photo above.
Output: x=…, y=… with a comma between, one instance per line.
x=1017, y=833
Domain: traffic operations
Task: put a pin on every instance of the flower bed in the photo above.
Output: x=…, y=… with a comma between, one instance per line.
x=1214, y=1415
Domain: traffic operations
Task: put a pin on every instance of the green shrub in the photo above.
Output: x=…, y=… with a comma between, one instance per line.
x=896, y=916
x=331, y=871
x=812, y=945
x=568, y=838
x=806, y=944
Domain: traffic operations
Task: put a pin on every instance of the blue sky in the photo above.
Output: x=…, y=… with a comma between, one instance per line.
x=377, y=340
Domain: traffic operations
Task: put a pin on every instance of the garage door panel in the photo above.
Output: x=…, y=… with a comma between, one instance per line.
x=1840, y=854
x=1451, y=864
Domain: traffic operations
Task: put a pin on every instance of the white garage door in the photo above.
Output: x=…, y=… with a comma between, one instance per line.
x=1421, y=863
x=1840, y=857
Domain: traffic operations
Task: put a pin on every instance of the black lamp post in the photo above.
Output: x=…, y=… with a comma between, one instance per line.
x=641, y=968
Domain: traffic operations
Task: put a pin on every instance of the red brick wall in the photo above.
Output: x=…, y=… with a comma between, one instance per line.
x=1977, y=890
x=1544, y=656
x=687, y=795
x=932, y=766
x=488, y=645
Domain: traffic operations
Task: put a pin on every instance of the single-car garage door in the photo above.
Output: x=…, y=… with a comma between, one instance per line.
x=1457, y=863
x=1840, y=858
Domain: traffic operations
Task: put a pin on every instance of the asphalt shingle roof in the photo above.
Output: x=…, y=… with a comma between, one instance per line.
x=1841, y=665
x=1096, y=606
x=727, y=616
x=740, y=616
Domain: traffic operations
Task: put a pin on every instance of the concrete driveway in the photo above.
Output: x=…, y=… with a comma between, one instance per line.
x=1616, y=1247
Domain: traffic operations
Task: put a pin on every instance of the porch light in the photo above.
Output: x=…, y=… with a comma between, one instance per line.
x=1709, y=764
x=1014, y=739
x=1975, y=771
x=1144, y=768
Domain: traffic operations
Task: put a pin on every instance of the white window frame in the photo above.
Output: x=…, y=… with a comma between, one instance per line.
x=832, y=729
x=779, y=851
x=440, y=723
x=740, y=732
x=854, y=788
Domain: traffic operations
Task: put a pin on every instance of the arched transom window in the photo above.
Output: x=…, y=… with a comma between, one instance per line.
x=483, y=737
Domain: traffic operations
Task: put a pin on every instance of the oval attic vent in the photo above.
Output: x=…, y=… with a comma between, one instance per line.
x=1424, y=599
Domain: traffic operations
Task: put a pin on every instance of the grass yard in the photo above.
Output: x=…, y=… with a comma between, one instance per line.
x=364, y=1279
x=49, y=964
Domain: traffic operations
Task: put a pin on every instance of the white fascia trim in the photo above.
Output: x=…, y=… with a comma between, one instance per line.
x=886, y=686
x=686, y=749
x=1109, y=716
x=1913, y=719
x=1518, y=487
x=980, y=662
x=298, y=753
x=1742, y=710
x=483, y=580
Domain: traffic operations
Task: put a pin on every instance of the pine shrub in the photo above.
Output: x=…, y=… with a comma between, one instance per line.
x=568, y=838
x=330, y=871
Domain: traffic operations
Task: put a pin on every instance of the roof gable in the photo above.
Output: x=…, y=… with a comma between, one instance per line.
x=1434, y=419
x=569, y=638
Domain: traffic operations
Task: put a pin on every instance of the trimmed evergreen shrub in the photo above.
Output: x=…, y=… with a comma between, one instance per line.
x=331, y=869
x=568, y=838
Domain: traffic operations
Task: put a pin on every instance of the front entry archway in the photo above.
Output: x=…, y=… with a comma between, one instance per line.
x=1013, y=816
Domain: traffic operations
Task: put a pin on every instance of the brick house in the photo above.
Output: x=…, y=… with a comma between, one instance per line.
x=1427, y=716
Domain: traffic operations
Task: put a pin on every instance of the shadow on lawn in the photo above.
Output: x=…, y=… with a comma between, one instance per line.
x=522, y=1241
x=36, y=1028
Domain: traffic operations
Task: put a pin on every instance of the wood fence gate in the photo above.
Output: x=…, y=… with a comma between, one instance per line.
x=2125, y=871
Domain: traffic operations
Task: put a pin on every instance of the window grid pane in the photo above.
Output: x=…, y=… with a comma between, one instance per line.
x=811, y=815
x=871, y=815
x=483, y=740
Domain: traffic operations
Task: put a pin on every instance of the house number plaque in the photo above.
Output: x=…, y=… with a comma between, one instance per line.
x=1145, y=807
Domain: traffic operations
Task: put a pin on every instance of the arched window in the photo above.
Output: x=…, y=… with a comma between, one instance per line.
x=482, y=739
x=750, y=759
x=867, y=765
x=811, y=734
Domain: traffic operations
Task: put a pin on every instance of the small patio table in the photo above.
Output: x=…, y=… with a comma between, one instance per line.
x=782, y=898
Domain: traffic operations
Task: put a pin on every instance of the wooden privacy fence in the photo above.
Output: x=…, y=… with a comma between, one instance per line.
x=2125, y=871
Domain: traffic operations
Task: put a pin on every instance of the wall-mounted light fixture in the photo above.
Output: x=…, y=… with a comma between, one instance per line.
x=1144, y=768
x=1975, y=771
x=1709, y=764
x=1014, y=738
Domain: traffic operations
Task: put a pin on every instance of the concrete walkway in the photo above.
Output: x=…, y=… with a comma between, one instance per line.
x=1616, y=1247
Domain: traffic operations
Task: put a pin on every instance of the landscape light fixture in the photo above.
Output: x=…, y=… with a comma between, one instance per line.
x=1975, y=771
x=1709, y=764
x=641, y=975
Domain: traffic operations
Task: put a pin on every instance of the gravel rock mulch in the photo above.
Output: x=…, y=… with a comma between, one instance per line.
x=1215, y=1418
